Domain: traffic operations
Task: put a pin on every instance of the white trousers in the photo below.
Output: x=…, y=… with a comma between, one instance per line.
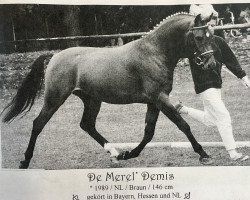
x=215, y=114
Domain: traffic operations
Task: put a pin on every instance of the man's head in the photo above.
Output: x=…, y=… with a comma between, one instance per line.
x=205, y=10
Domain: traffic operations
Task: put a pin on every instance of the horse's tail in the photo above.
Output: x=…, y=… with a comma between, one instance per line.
x=27, y=93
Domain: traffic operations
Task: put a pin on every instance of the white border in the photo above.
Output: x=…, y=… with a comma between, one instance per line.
x=207, y=183
x=120, y=2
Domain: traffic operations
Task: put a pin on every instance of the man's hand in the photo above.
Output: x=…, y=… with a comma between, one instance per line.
x=245, y=81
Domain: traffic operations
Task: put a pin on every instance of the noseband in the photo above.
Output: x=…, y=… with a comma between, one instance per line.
x=198, y=58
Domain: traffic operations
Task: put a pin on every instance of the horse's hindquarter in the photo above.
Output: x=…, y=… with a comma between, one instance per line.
x=61, y=73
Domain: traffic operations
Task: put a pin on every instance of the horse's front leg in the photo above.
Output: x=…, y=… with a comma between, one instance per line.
x=169, y=110
x=150, y=121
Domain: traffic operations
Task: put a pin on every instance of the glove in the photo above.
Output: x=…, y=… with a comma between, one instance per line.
x=245, y=81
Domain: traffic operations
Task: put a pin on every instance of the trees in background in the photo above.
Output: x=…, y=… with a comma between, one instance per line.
x=72, y=22
x=19, y=21
x=35, y=21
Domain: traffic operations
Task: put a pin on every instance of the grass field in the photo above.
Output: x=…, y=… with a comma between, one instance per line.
x=63, y=145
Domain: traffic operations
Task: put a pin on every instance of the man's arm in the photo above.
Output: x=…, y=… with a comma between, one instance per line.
x=231, y=62
x=229, y=59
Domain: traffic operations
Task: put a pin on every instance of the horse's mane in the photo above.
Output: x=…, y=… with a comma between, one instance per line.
x=165, y=20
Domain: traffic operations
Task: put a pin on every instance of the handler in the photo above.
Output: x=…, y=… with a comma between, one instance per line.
x=208, y=84
x=206, y=10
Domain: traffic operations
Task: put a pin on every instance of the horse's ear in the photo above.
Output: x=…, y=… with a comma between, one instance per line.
x=210, y=17
x=197, y=20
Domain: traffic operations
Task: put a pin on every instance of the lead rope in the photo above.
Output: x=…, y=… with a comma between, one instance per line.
x=216, y=73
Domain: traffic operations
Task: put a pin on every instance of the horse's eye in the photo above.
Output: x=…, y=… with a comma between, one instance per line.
x=199, y=38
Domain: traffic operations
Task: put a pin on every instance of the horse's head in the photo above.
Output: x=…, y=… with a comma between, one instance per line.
x=201, y=38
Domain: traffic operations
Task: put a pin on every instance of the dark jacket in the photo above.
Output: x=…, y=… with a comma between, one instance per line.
x=205, y=79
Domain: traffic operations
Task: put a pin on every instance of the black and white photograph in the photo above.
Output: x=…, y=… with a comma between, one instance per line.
x=124, y=100
x=124, y=86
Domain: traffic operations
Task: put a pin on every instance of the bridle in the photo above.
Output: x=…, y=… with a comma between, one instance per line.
x=199, y=57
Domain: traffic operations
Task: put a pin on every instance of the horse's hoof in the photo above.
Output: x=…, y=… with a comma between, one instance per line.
x=114, y=160
x=123, y=155
x=24, y=165
x=206, y=161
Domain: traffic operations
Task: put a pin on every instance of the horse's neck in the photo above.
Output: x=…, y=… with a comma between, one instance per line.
x=170, y=36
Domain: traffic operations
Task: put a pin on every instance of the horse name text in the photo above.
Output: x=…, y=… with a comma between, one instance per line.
x=129, y=177
x=157, y=177
x=111, y=176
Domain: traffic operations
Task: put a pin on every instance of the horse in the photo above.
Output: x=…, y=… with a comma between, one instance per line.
x=138, y=72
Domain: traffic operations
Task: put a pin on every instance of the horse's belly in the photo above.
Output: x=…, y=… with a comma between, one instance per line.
x=112, y=89
x=115, y=94
x=124, y=99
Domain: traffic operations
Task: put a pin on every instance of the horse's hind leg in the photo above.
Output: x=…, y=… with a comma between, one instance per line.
x=150, y=121
x=51, y=104
x=91, y=110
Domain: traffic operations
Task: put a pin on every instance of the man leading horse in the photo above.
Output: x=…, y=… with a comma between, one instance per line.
x=138, y=72
x=208, y=84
